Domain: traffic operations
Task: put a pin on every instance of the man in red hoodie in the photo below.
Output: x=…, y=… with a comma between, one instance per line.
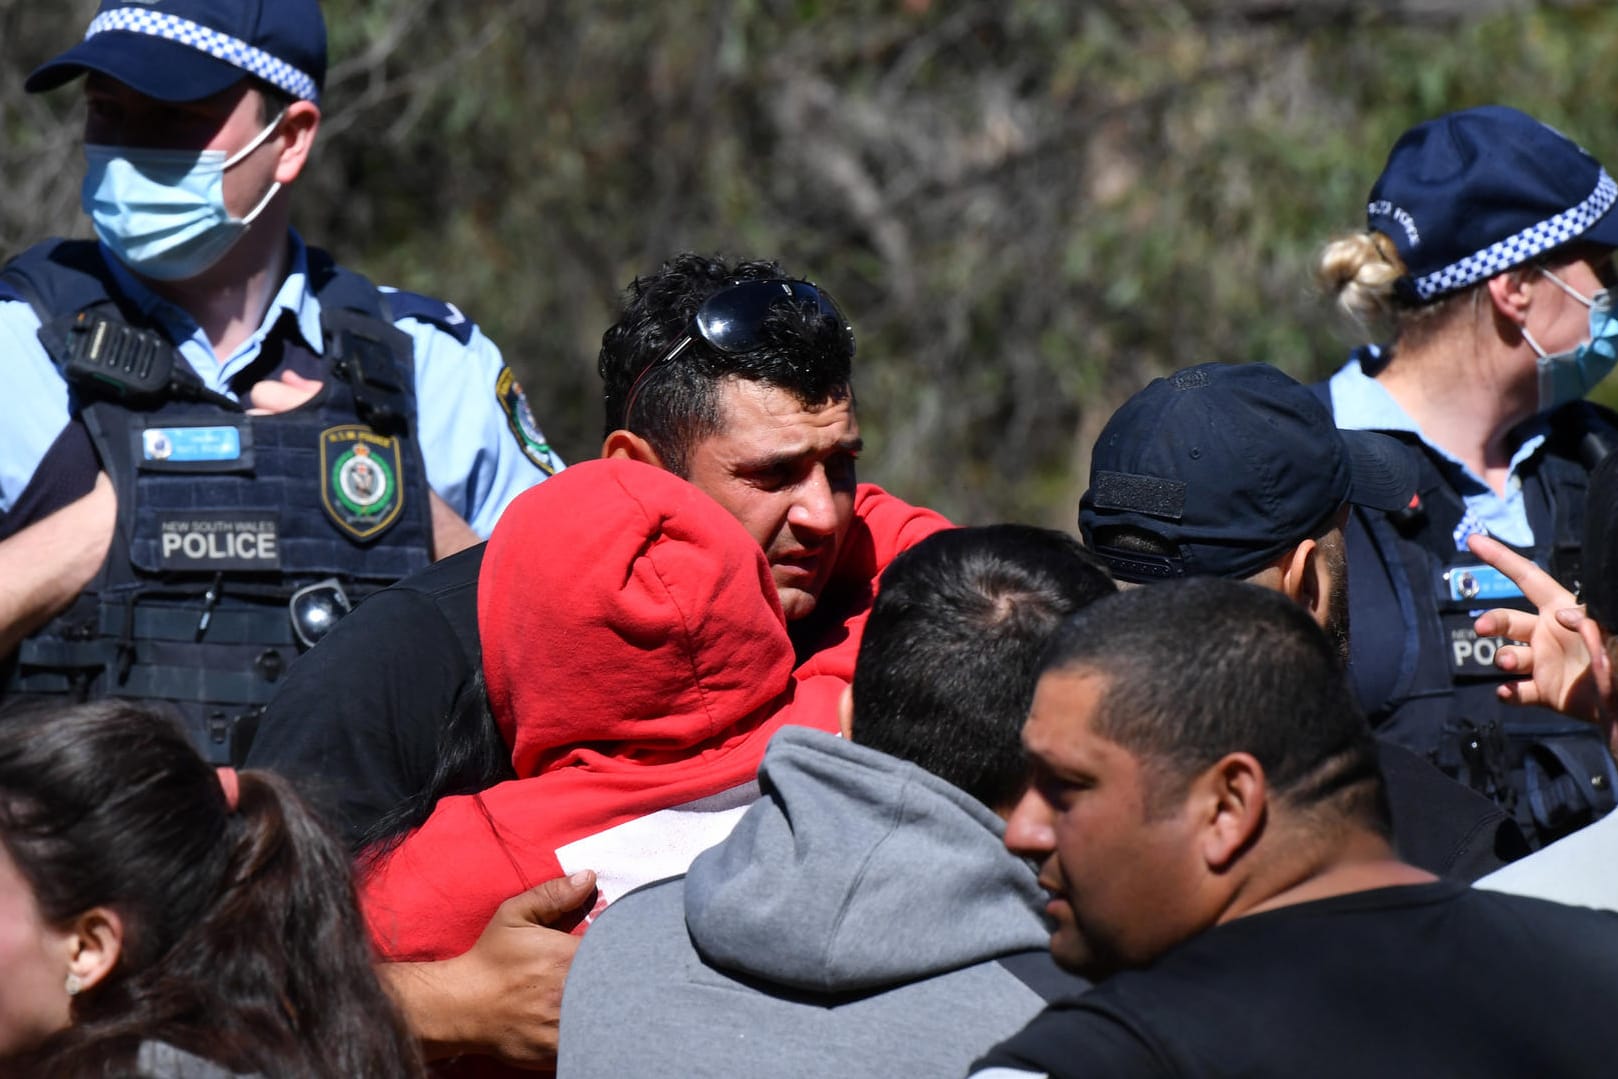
x=641, y=750
x=735, y=377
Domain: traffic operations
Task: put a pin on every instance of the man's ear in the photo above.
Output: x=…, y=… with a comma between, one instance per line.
x=95, y=941
x=845, y=713
x=626, y=444
x=1303, y=580
x=1234, y=795
x=299, y=124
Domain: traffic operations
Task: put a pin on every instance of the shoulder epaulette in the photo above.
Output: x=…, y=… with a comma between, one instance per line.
x=59, y=277
x=1585, y=431
x=446, y=316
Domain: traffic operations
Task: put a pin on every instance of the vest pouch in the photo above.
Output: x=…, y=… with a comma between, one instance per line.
x=1553, y=776
x=1567, y=774
x=1477, y=754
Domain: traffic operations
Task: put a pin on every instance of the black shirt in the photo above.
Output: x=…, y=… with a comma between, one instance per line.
x=1422, y=980
x=1443, y=826
x=355, y=725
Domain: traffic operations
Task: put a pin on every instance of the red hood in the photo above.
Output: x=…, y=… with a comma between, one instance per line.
x=625, y=618
x=637, y=661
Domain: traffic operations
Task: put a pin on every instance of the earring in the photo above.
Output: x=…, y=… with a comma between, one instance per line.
x=73, y=985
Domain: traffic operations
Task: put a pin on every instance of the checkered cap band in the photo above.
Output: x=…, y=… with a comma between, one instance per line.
x=234, y=51
x=1525, y=245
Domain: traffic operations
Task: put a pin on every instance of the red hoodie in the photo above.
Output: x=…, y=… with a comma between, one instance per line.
x=637, y=662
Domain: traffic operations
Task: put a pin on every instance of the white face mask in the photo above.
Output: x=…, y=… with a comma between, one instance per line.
x=1569, y=375
x=162, y=212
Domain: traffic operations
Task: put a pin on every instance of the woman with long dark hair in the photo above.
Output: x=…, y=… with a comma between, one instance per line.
x=162, y=917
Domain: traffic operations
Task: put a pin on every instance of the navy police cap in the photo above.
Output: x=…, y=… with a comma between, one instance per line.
x=1478, y=192
x=1228, y=466
x=186, y=50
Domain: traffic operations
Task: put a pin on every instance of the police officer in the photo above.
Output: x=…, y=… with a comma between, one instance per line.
x=1488, y=250
x=216, y=439
x=1235, y=470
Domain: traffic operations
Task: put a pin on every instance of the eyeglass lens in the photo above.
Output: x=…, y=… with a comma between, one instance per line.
x=316, y=609
x=732, y=320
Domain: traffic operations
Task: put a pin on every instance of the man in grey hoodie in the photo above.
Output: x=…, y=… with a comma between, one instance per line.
x=864, y=917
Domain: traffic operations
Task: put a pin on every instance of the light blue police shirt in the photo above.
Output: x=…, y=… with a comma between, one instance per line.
x=1361, y=403
x=468, y=439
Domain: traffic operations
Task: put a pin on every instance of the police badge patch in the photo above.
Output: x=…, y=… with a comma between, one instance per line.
x=521, y=421
x=360, y=488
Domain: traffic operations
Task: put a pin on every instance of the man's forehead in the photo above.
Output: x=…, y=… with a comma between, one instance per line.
x=759, y=412
x=1063, y=710
x=738, y=392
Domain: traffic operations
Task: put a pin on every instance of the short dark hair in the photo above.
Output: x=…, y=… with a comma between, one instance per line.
x=806, y=353
x=272, y=101
x=1200, y=668
x=951, y=653
x=243, y=942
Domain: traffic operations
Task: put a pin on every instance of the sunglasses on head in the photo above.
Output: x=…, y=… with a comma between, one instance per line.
x=732, y=321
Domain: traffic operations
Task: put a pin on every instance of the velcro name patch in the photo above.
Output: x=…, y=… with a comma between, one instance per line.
x=202, y=448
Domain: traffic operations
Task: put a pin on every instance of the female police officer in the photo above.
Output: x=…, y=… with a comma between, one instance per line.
x=1488, y=249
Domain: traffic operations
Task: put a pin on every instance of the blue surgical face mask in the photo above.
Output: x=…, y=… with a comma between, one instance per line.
x=1568, y=376
x=162, y=212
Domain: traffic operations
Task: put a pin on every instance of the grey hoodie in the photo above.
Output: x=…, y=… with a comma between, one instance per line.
x=850, y=925
x=160, y=1060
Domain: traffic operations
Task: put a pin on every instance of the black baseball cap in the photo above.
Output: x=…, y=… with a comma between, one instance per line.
x=1230, y=465
x=186, y=50
x=1477, y=192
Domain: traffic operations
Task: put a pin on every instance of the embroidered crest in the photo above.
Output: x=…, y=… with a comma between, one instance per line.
x=514, y=403
x=360, y=489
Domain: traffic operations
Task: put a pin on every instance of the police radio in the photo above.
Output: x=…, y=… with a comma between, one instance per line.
x=136, y=367
x=362, y=351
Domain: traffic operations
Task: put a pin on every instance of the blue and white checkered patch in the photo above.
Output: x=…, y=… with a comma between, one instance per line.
x=234, y=51
x=1525, y=245
x=1468, y=525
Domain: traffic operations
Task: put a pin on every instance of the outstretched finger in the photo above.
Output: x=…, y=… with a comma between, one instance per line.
x=1541, y=589
x=1600, y=661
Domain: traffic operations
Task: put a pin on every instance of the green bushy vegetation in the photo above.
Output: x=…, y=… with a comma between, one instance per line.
x=1027, y=208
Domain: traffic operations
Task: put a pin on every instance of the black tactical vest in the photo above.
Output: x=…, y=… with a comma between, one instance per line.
x=222, y=516
x=1425, y=678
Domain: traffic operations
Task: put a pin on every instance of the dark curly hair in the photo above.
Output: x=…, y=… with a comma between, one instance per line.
x=805, y=352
